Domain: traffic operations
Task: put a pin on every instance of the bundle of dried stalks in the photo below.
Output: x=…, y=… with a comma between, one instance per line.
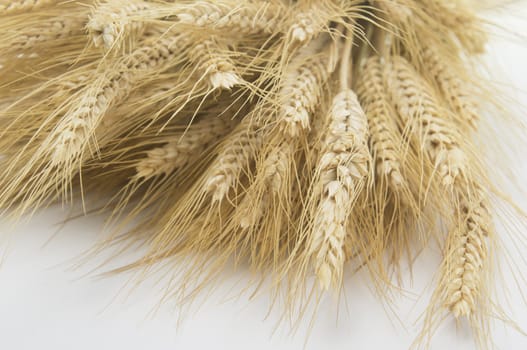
x=294, y=136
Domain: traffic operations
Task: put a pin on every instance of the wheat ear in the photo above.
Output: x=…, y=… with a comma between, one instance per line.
x=44, y=32
x=466, y=253
x=17, y=6
x=214, y=63
x=77, y=126
x=394, y=9
x=456, y=17
x=342, y=170
x=385, y=139
x=179, y=152
x=420, y=110
x=308, y=23
x=235, y=154
x=453, y=88
x=302, y=86
x=112, y=20
x=245, y=17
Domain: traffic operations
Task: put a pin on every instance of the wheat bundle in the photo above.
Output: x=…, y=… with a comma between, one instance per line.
x=297, y=137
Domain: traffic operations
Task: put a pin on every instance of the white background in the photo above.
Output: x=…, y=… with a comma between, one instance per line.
x=45, y=303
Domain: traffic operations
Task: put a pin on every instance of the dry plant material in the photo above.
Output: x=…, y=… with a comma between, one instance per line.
x=114, y=20
x=453, y=88
x=293, y=137
x=385, y=140
x=421, y=113
x=17, y=6
x=342, y=172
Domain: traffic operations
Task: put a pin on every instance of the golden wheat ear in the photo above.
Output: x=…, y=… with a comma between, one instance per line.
x=19, y=6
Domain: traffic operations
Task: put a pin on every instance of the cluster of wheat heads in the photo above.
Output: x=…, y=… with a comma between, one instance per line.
x=302, y=138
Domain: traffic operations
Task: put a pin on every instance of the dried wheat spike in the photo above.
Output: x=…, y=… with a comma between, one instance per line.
x=244, y=17
x=452, y=87
x=277, y=165
x=179, y=152
x=455, y=16
x=420, y=110
x=342, y=169
x=308, y=23
x=302, y=86
x=213, y=61
x=45, y=32
x=396, y=10
x=77, y=127
x=112, y=20
x=466, y=254
x=235, y=155
x=252, y=212
x=17, y=6
x=384, y=136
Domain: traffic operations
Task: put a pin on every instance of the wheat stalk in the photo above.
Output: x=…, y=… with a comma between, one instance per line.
x=385, y=139
x=419, y=108
x=112, y=21
x=342, y=170
x=453, y=88
x=179, y=152
x=18, y=6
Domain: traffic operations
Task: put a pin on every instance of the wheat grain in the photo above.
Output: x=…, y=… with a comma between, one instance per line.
x=342, y=170
x=235, y=155
x=76, y=127
x=213, y=61
x=420, y=110
x=384, y=136
x=302, y=86
x=18, y=6
x=466, y=254
x=245, y=17
x=179, y=152
x=112, y=20
x=453, y=88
